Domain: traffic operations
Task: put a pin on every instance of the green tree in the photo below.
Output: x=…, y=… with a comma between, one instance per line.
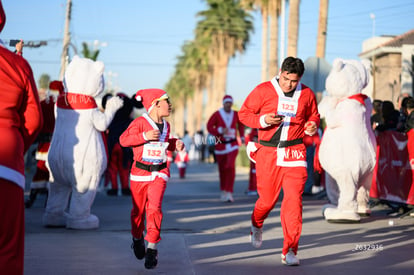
x=263, y=6
x=88, y=53
x=44, y=81
x=226, y=28
x=274, y=14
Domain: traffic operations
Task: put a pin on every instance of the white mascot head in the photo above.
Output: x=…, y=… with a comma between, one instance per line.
x=347, y=77
x=84, y=76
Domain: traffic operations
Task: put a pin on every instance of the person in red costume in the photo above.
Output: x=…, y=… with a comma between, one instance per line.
x=181, y=160
x=20, y=122
x=283, y=109
x=41, y=178
x=224, y=125
x=120, y=158
x=149, y=137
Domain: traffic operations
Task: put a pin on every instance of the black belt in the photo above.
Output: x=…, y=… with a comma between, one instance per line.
x=229, y=141
x=282, y=143
x=150, y=167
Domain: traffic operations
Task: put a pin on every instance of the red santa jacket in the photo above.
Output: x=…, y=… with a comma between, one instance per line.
x=269, y=98
x=181, y=159
x=20, y=114
x=45, y=136
x=133, y=137
x=225, y=143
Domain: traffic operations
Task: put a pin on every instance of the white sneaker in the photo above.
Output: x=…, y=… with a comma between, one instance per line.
x=316, y=189
x=229, y=197
x=290, y=258
x=223, y=196
x=256, y=237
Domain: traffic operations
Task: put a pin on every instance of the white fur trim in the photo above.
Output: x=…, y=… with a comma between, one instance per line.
x=41, y=156
x=12, y=175
x=263, y=123
x=251, y=148
x=150, y=177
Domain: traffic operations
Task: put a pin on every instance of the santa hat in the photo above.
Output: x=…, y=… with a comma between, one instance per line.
x=57, y=86
x=227, y=98
x=2, y=17
x=149, y=97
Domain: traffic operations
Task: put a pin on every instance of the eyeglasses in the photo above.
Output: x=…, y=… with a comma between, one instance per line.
x=166, y=100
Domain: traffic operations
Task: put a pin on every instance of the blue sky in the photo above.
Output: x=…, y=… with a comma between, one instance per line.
x=141, y=39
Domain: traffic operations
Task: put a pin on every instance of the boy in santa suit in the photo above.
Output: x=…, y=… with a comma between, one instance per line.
x=224, y=124
x=282, y=109
x=181, y=159
x=148, y=135
x=20, y=122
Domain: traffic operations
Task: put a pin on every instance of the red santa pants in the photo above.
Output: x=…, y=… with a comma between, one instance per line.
x=116, y=166
x=181, y=171
x=11, y=228
x=146, y=208
x=270, y=179
x=227, y=170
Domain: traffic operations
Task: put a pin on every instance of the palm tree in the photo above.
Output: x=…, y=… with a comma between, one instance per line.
x=274, y=13
x=263, y=6
x=178, y=89
x=87, y=53
x=190, y=76
x=226, y=27
x=322, y=28
x=44, y=81
x=293, y=28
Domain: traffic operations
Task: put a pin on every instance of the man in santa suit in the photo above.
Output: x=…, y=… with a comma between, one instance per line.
x=283, y=109
x=224, y=124
x=20, y=122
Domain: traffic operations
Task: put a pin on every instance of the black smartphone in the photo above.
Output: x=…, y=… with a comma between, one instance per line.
x=13, y=42
x=279, y=116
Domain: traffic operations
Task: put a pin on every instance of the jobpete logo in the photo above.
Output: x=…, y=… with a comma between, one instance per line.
x=209, y=140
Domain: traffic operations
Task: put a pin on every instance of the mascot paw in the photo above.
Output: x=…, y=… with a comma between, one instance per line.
x=54, y=220
x=114, y=104
x=334, y=215
x=364, y=211
x=91, y=222
x=326, y=206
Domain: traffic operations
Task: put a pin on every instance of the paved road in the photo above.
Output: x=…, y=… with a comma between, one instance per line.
x=202, y=235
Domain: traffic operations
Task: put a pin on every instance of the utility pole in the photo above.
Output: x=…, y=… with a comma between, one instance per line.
x=64, y=59
x=322, y=28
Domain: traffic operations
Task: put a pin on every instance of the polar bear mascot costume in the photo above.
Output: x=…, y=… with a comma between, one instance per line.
x=348, y=148
x=77, y=155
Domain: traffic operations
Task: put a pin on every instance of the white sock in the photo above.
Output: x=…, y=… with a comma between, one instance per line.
x=152, y=246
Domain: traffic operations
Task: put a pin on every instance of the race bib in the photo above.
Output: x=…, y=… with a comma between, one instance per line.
x=287, y=107
x=291, y=156
x=231, y=133
x=155, y=152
